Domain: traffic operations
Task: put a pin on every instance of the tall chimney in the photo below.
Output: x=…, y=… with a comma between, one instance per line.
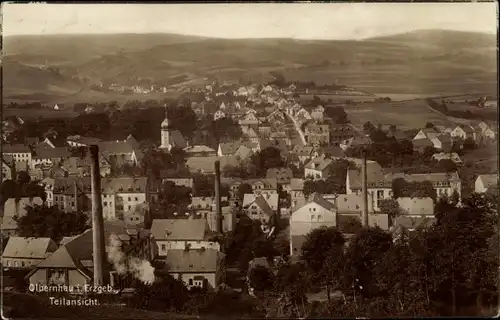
x=99, y=249
x=218, y=212
x=76, y=195
x=364, y=191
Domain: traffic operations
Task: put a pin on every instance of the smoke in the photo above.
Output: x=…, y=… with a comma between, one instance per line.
x=139, y=268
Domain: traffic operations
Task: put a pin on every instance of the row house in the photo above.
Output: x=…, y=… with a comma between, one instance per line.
x=19, y=152
x=317, y=134
x=49, y=156
x=120, y=152
x=120, y=195
x=380, y=184
x=24, y=253
x=181, y=234
x=72, y=263
x=68, y=194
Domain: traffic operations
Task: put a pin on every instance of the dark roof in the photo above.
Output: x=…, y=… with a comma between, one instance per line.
x=179, y=229
x=196, y=261
x=422, y=143
x=51, y=153
x=282, y=175
x=15, y=148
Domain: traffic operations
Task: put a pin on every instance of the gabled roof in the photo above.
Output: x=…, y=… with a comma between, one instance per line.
x=115, y=147
x=51, y=153
x=422, y=143
x=243, y=152
x=296, y=184
x=260, y=201
x=12, y=208
x=318, y=199
x=124, y=185
x=319, y=163
x=83, y=140
x=352, y=203
x=179, y=229
x=8, y=160
x=195, y=261
x=488, y=180
x=303, y=151
x=416, y=206
x=412, y=223
x=15, y=148
x=29, y=248
x=207, y=164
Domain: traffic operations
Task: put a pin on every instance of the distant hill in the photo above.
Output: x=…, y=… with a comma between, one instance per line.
x=428, y=61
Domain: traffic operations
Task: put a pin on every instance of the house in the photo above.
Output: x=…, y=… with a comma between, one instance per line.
x=282, y=175
x=183, y=182
x=350, y=206
x=180, y=234
x=202, y=151
x=203, y=268
x=426, y=133
x=486, y=131
x=275, y=117
x=279, y=144
x=331, y=151
x=72, y=263
x=251, y=135
x=260, y=208
x=19, y=152
x=138, y=215
x=404, y=226
x=317, y=134
x=24, y=253
x=81, y=141
x=121, y=195
x=49, y=156
x=318, y=168
x=317, y=113
x=315, y=213
x=342, y=132
x=70, y=194
x=422, y=144
x=230, y=148
x=380, y=184
x=206, y=165
x=8, y=167
x=442, y=142
x=296, y=191
x=356, y=141
x=465, y=132
x=219, y=114
x=304, y=153
x=119, y=152
x=416, y=207
x=259, y=186
x=16, y=207
x=228, y=219
x=249, y=119
x=453, y=156
x=243, y=153
x=484, y=182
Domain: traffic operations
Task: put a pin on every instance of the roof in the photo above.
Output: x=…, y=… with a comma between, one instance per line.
x=319, y=163
x=422, y=143
x=265, y=203
x=177, y=139
x=179, y=229
x=67, y=185
x=466, y=128
x=278, y=144
x=31, y=141
x=282, y=175
x=297, y=184
x=207, y=164
x=195, y=261
x=318, y=199
x=199, y=149
x=83, y=140
x=51, y=153
x=416, y=206
x=488, y=180
x=243, y=152
x=124, y=185
x=12, y=208
x=333, y=151
x=378, y=179
x=229, y=148
x=34, y=248
x=412, y=223
x=8, y=159
x=352, y=203
x=15, y=148
x=115, y=147
x=302, y=151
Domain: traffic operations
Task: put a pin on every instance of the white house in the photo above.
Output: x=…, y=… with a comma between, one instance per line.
x=485, y=181
x=453, y=156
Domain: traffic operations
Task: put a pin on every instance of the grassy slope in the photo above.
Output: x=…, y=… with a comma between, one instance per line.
x=423, y=62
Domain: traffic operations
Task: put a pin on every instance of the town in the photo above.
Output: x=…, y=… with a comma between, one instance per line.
x=247, y=190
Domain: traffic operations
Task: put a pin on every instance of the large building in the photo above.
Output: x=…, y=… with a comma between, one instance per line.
x=170, y=137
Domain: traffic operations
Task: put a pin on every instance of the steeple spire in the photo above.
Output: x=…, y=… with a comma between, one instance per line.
x=165, y=123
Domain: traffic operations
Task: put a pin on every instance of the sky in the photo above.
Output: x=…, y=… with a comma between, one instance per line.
x=270, y=20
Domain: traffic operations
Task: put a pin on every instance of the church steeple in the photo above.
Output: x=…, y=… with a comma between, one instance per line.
x=166, y=122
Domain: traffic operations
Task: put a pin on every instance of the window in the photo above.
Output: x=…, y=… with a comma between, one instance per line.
x=380, y=194
x=129, y=199
x=319, y=217
x=105, y=203
x=129, y=207
x=313, y=217
x=136, y=199
x=163, y=247
x=73, y=203
x=190, y=282
x=22, y=263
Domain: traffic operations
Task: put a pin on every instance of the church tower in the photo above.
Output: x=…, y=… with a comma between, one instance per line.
x=166, y=135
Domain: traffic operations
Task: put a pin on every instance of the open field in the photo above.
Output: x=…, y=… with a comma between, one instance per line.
x=404, y=114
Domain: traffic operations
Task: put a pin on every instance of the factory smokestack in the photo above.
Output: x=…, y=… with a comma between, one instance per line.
x=218, y=211
x=364, y=191
x=99, y=245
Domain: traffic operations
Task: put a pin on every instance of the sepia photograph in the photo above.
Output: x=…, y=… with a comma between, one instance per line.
x=249, y=160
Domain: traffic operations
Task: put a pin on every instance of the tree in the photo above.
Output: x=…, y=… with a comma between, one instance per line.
x=50, y=222
x=323, y=252
x=174, y=196
x=164, y=294
x=446, y=165
x=261, y=278
x=243, y=189
x=429, y=125
x=266, y=159
x=225, y=129
x=469, y=144
x=23, y=178
x=337, y=114
x=391, y=208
